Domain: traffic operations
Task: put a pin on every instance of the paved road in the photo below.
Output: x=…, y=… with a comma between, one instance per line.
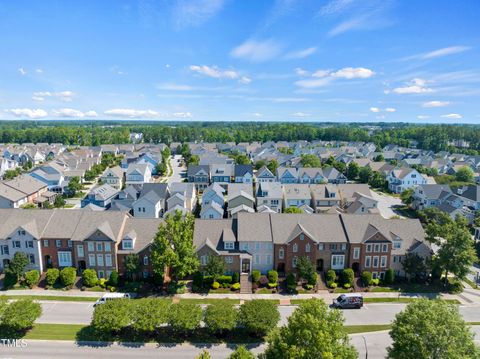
x=385, y=204
x=81, y=313
x=178, y=169
x=376, y=343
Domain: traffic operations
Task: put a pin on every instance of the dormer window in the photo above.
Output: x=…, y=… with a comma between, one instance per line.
x=229, y=245
x=302, y=237
x=397, y=243
x=127, y=244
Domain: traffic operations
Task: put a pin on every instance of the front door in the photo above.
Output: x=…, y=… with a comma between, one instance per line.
x=319, y=265
x=245, y=265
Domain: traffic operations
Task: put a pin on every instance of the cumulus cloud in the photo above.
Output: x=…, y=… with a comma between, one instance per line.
x=215, y=72
x=22, y=71
x=135, y=113
x=68, y=112
x=452, y=116
x=39, y=71
x=65, y=96
x=416, y=86
x=435, y=104
x=323, y=77
x=27, y=113
x=378, y=110
x=301, y=72
x=91, y=114
x=301, y=114
x=301, y=54
x=257, y=51
x=374, y=109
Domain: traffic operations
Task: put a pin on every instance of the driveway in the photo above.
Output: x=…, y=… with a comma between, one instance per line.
x=386, y=204
x=178, y=169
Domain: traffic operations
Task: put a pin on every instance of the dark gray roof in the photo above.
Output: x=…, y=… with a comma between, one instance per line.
x=241, y=170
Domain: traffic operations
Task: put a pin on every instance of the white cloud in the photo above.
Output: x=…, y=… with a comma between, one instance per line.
x=117, y=70
x=416, y=86
x=257, y=51
x=390, y=109
x=452, y=116
x=181, y=115
x=301, y=114
x=91, y=114
x=39, y=71
x=321, y=73
x=440, y=53
x=174, y=87
x=335, y=7
x=68, y=112
x=353, y=73
x=135, y=113
x=22, y=71
x=257, y=114
x=423, y=117
x=28, y=112
x=65, y=96
x=196, y=12
x=301, y=54
x=374, y=109
x=215, y=72
x=377, y=110
x=313, y=83
x=436, y=104
x=301, y=72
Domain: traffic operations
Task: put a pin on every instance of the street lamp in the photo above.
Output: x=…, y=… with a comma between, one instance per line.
x=366, y=348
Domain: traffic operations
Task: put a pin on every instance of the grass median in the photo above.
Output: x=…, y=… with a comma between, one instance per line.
x=52, y=298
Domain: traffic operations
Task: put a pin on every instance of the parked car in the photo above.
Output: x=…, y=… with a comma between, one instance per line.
x=348, y=300
x=111, y=296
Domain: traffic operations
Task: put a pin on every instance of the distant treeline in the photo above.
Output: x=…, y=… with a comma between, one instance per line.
x=431, y=137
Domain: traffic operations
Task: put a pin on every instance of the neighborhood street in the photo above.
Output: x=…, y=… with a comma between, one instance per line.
x=386, y=203
x=177, y=168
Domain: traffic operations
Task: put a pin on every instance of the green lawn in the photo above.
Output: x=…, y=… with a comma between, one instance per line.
x=401, y=300
x=209, y=301
x=353, y=329
x=383, y=290
x=52, y=297
x=54, y=331
x=471, y=283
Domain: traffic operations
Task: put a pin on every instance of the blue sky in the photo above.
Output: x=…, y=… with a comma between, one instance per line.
x=246, y=60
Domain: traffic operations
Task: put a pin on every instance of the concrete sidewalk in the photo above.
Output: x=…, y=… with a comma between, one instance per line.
x=56, y=293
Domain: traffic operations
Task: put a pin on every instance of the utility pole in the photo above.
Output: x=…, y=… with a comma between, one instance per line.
x=366, y=348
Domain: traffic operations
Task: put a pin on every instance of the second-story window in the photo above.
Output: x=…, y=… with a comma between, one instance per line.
x=281, y=253
x=307, y=247
x=295, y=247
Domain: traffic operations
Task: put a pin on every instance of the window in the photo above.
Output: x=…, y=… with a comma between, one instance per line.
x=320, y=246
x=356, y=253
x=257, y=259
x=29, y=244
x=245, y=246
x=268, y=259
x=46, y=243
x=5, y=250
x=21, y=232
x=99, y=246
x=229, y=259
x=383, y=261
x=101, y=274
x=108, y=260
x=397, y=244
x=64, y=259
x=302, y=237
x=384, y=248
x=295, y=247
x=281, y=253
x=338, y=261
x=100, y=260
x=368, y=261
x=369, y=248
x=91, y=247
x=344, y=246
x=16, y=244
x=382, y=275
x=333, y=247
x=294, y=262
x=80, y=250
x=203, y=260
x=375, y=275
x=307, y=247
x=58, y=243
x=127, y=244
x=145, y=260
x=377, y=248
x=69, y=244
x=375, y=262
x=91, y=260
x=108, y=247
x=31, y=257
x=229, y=245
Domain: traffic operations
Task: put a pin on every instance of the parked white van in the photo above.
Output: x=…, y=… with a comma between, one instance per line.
x=111, y=296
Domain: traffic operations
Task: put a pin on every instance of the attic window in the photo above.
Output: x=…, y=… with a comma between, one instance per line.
x=127, y=244
x=302, y=237
x=229, y=245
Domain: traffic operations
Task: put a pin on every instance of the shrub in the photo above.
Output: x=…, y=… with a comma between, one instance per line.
x=10, y=279
x=225, y=285
x=332, y=285
x=389, y=276
x=185, y=317
x=215, y=285
x=348, y=276
x=235, y=286
x=67, y=276
x=102, y=282
x=150, y=314
x=347, y=286
x=309, y=286
x=272, y=276
x=375, y=281
x=51, y=276
x=21, y=314
x=272, y=285
x=227, y=279
x=236, y=277
x=291, y=279
x=89, y=278
x=32, y=278
x=331, y=276
x=263, y=280
x=208, y=281
x=113, y=280
x=256, y=276
x=241, y=353
x=366, y=278
x=197, y=283
x=220, y=317
x=258, y=316
x=455, y=287
x=113, y=315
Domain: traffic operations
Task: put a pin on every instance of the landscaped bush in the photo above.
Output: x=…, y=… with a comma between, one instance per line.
x=51, y=276
x=185, y=317
x=236, y=277
x=176, y=288
x=113, y=280
x=220, y=317
x=256, y=276
x=89, y=278
x=241, y=353
x=32, y=278
x=272, y=285
x=291, y=282
x=67, y=276
x=102, y=282
x=258, y=316
x=20, y=315
x=331, y=276
x=332, y=285
x=366, y=278
x=347, y=286
x=348, y=276
x=197, y=283
x=227, y=279
x=215, y=285
x=455, y=286
x=272, y=276
x=113, y=315
x=375, y=281
x=208, y=281
x=308, y=286
x=10, y=280
x=389, y=276
x=150, y=314
x=235, y=286
x=263, y=280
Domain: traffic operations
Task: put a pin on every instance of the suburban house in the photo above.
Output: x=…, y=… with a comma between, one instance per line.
x=51, y=174
x=212, y=202
x=265, y=175
x=270, y=194
x=212, y=210
x=240, y=198
x=36, y=191
x=348, y=198
x=200, y=176
x=430, y=195
x=400, y=179
x=152, y=201
x=183, y=197
x=222, y=173
x=296, y=195
x=138, y=174
x=11, y=198
x=101, y=196
x=113, y=176
x=243, y=174
x=287, y=175
x=150, y=159
x=311, y=175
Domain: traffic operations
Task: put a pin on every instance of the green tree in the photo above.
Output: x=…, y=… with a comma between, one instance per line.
x=185, y=317
x=348, y=276
x=389, y=276
x=258, y=316
x=379, y=158
x=220, y=317
x=113, y=279
x=241, y=353
x=113, y=315
x=74, y=185
x=59, y=202
x=413, y=265
x=365, y=174
x=17, y=265
x=132, y=265
x=150, y=314
x=464, y=174
x=203, y=355
x=21, y=314
x=377, y=180
x=309, y=160
x=353, y=170
x=89, y=277
x=294, y=210
x=431, y=329
x=241, y=159
x=313, y=331
x=173, y=247
x=273, y=165
x=215, y=266
x=259, y=164
x=407, y=196
x=306, y=270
